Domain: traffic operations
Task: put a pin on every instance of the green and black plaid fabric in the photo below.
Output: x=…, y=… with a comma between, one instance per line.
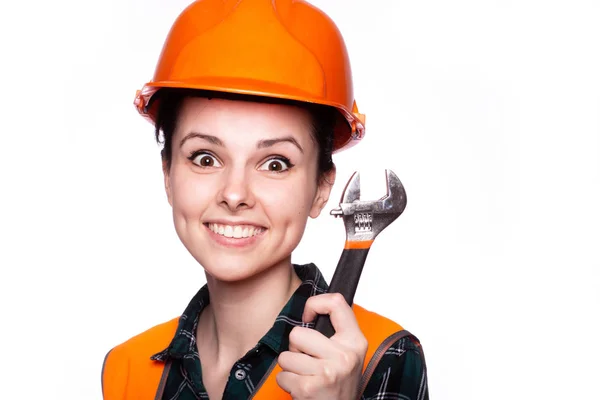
x=401, y=373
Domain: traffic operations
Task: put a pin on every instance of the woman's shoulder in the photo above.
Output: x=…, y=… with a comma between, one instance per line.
x=128, y=365
x=373, y=321
x=395, y=363
x=382, y=332
x=150, y=341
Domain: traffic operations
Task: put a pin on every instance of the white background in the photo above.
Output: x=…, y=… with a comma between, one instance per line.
x=489, y=112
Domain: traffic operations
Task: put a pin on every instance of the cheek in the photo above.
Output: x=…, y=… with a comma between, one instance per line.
x=288, y=202
x=190, y=195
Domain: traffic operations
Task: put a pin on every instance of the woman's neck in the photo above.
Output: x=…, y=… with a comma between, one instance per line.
x=240, y=313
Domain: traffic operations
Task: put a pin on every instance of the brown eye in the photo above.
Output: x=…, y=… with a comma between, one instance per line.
x=276, y=165
x=205, y=160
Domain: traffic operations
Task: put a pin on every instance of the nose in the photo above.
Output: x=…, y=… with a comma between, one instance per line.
x=235, y=193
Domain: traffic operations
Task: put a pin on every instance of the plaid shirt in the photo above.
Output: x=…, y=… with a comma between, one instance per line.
x=400, y=374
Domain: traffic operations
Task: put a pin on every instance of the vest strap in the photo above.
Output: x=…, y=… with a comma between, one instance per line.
x=374, y=361
x=163, y=381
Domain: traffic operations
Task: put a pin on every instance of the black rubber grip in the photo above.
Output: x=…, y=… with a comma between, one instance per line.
x=345, y=281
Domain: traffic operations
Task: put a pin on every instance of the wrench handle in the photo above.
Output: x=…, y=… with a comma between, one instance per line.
x=345, y=281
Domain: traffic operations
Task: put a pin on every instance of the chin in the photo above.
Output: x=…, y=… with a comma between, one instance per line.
x=230, y=268
x=238, y=267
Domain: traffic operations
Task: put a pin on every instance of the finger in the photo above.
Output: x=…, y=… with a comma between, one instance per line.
x=313, y=343
x=333, y=304
x=299, y=387
x=287, y=380
x=298, y=363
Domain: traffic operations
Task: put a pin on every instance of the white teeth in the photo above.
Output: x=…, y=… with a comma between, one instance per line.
x=235, y=231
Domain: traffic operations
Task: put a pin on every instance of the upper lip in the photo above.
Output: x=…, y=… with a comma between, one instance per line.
x=233, y=223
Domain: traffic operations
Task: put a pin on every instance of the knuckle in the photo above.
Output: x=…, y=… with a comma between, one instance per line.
x=307, y=390
x=347, y=358
x=338, y=299
x=350, y=359
x=362, y=345
x=330, y=375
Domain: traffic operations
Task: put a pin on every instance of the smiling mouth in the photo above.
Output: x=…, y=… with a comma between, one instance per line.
x=235, y=231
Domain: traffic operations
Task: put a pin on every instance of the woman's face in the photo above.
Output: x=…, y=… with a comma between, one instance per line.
x=242, y=183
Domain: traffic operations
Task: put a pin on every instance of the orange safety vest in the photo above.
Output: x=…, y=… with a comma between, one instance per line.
x=129, y=373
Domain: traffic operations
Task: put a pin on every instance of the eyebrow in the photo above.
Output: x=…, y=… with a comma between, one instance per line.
x=209, y=138
x=260, y=145
x=271, y=142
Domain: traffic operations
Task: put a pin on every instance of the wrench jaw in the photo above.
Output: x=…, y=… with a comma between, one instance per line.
x=364, y=220
x=395, y=200
x=352, y=190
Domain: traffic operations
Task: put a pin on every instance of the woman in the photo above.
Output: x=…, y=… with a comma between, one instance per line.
x=250, y=104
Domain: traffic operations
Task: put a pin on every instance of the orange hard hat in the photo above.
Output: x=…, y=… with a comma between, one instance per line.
x=285, y=49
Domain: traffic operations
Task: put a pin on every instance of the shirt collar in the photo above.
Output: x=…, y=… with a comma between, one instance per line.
x=184, y=341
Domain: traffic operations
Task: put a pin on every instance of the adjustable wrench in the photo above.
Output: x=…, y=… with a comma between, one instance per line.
x=363, y=220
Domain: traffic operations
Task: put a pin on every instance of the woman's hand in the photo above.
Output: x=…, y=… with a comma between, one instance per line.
x=317, y=367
